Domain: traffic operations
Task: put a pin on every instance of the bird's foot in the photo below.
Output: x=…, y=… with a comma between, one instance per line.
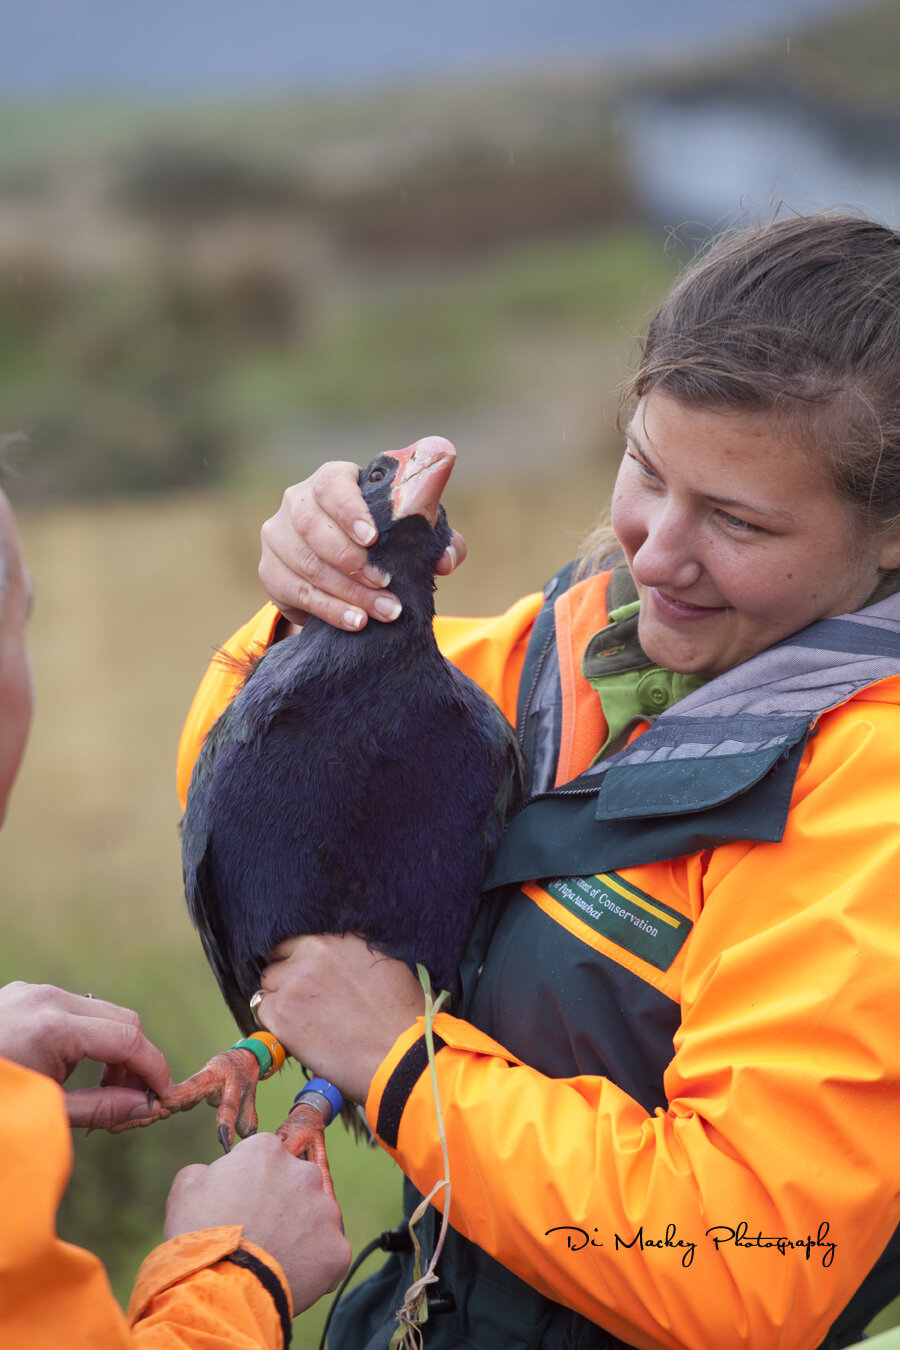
x=227, y=1082
x=303, y=1134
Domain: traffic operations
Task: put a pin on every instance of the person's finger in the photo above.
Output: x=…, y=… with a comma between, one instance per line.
x=453, y=555
x=327, y=537
x=313, y=568
x=101, y=1108
x=113, y=1042
x=185, y=1179
x=284, y=950
x=326, y=593
x=113, y=1075
x=327, y=515
x=83, y=1005
x=314, y=557
x=335, y=488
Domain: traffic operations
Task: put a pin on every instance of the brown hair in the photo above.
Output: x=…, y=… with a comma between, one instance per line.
x=797, y=320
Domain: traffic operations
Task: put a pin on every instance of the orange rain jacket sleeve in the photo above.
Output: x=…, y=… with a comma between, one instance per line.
x=55, y=1295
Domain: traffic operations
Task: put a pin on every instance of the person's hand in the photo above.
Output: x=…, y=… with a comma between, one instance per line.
x=49, y=1030
x=314, y=558
x=279, y=1201
x=337, y=1006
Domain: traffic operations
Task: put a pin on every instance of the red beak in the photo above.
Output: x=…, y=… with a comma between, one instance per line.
x=421, y=478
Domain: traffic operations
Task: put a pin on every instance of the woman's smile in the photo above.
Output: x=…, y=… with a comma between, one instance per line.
x=669, y=606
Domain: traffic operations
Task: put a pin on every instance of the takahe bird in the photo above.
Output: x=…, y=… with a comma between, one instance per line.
x=357, y=783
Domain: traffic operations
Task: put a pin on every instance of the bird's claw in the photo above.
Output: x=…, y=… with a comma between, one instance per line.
x=227, y=1082
x=303, y=1134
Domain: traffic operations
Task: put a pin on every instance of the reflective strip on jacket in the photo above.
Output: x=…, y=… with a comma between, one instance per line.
x=675, y=1109
x=55, y=1295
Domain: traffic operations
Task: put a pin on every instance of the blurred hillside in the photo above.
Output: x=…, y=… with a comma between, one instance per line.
x=204, y=293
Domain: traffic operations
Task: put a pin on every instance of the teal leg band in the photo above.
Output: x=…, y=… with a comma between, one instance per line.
x=261, y=1052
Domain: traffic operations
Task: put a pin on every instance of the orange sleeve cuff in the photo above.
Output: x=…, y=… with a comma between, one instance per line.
x=398, y=1075
x=240, y=1299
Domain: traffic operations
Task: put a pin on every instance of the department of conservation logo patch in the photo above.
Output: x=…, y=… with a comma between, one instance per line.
x=624, y=915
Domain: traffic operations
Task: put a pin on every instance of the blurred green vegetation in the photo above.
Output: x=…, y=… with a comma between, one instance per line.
x=447, y=342
x=888, y=1340
x=144, y=384
x=186, y=290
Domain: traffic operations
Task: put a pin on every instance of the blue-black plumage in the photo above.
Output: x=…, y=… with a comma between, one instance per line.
x=358, y=782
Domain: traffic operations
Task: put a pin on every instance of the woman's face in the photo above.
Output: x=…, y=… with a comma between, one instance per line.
x=734, y=536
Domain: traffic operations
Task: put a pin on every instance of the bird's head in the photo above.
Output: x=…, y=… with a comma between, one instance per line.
x=402, y=489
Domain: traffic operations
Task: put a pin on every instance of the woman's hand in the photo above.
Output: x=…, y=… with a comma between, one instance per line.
x=338, y=1006
x=314, y=558
x=49, y=1030
x=279, y=1201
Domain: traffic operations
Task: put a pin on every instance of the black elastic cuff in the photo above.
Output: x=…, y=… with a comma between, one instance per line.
x=399, y=1086
x=270, y=1282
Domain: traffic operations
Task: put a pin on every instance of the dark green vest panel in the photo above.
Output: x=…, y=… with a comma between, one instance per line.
x=580, y=993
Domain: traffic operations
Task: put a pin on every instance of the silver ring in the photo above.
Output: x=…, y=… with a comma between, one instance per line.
x=257, y=999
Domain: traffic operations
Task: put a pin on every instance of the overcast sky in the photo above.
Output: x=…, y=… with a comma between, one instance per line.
x=260, y=46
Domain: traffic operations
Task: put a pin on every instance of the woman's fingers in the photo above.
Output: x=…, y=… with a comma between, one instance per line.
x=314, y=558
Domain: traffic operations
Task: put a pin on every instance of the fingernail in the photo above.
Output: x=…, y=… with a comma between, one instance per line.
x=142, y=1112
x=353, y=618
x=451, y=554
x=387, y=606
x=376, y=576
x=365, y=531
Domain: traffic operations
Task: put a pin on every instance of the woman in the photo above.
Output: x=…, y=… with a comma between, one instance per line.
x=670, y=1082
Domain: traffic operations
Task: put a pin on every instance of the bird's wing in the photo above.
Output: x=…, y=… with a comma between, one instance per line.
x=210, y=833
x=199, y=886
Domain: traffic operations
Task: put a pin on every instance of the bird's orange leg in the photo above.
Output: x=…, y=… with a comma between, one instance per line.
x=303, y=1133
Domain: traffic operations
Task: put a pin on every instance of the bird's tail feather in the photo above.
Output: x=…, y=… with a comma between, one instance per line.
x=354, y=1117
